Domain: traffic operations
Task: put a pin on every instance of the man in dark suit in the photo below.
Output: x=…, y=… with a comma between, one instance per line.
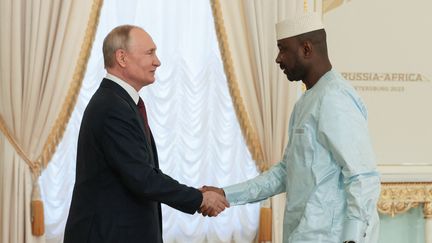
x=119, y=186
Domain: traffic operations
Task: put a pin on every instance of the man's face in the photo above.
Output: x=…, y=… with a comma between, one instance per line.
x=141, y=59
x=289, y=59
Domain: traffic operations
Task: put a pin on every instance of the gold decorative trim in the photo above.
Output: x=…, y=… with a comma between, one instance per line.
x=17, y=147
x=427, y=210
x=62, y=120
x=248, y=131
x=399, y=197
x=329, y=5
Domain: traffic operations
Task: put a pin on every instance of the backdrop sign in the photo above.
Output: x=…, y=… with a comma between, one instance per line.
x=384, y=48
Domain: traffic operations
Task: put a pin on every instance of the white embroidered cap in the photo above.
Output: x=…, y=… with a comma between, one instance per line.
x=298, y=24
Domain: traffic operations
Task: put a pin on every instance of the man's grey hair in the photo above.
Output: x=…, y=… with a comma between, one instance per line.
x=118, y=38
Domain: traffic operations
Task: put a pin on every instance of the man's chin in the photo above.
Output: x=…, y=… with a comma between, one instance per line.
x=291, y=79
x=149, y=81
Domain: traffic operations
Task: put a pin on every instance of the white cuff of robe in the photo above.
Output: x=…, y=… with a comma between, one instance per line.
x=354, y=230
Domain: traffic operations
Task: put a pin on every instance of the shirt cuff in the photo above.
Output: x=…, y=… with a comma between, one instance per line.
x=232, y=194
x=354, y=230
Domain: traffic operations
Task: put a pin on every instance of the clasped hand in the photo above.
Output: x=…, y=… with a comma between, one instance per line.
x=214, y=201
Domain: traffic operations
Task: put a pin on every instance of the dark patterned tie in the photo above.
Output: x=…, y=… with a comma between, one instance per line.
x=142, y=109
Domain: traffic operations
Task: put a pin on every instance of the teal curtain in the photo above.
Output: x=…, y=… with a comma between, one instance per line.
x=403, y=228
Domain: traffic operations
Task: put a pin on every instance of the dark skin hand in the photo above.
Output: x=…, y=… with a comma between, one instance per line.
x=208, y=211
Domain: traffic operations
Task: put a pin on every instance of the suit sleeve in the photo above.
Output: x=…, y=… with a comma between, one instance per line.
x=127, y=154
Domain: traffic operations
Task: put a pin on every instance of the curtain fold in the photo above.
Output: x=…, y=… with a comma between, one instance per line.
x=261, y=94
x=45, y=47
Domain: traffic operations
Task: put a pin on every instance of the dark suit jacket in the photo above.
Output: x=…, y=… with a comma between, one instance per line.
x=119, y=187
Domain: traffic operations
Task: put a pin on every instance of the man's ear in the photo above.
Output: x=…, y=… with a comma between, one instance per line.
x=307, y=48
x=120, y=56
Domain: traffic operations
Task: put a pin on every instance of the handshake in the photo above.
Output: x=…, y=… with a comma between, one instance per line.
x=214, y=201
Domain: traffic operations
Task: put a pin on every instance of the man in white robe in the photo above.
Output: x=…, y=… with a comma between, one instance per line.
x=328, y=169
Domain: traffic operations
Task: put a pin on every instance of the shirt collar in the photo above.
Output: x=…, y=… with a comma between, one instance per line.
x=129, y=89
x=328, y=76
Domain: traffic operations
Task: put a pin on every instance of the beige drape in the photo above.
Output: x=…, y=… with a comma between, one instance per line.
x=44, y=48
x=262, y=96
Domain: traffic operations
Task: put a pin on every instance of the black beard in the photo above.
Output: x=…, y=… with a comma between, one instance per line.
x=297, y=74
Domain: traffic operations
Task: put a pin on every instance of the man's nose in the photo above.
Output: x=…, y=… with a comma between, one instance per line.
x=156, y=62
x=277, y=59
